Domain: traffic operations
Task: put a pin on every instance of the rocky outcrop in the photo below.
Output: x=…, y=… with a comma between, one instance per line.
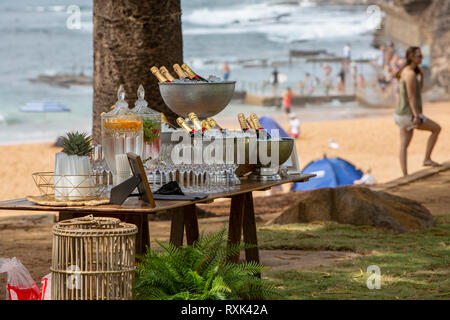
x=64, y=80
x=423, y=22
x=438, y=23
x=413, y=6
x=357, y=206
x=416, y=23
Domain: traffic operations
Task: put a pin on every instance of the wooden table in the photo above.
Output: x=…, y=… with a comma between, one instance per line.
x=184, y=217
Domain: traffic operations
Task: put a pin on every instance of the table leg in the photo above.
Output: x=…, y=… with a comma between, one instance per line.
x=184, y=218
x=249, y=229
x=143, y=235
x=242, y=221
x=177, y=227
x=191, y=224
x=235, y=224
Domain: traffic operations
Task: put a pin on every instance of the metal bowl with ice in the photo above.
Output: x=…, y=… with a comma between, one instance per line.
x=206, y=99
x=250, y=150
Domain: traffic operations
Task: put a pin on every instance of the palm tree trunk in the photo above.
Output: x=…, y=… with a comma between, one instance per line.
x=130, y=36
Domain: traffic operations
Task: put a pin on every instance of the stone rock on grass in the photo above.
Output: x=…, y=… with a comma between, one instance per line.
x=357, y=206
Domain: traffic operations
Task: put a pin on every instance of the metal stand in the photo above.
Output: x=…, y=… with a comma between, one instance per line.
x=265, y=174
x=122, y=191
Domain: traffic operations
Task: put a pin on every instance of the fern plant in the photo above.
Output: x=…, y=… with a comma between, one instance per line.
x=200, y=272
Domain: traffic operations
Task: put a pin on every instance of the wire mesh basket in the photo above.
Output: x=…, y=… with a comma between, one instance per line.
x=70, y=187
x=93, y=259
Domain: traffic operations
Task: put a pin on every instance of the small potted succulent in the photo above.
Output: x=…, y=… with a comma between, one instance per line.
x=73, y=168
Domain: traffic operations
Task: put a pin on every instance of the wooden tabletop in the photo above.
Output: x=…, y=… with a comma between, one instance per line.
x=133, y=205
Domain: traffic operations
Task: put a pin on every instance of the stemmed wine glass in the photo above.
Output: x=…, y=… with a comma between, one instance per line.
x=181, y=171
x=103, y=176
x=234, y=167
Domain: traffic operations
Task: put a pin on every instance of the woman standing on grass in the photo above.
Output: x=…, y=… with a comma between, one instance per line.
x=408, y=114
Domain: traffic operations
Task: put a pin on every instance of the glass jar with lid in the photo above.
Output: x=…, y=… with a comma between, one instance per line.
x=151, y=123
x=121, y=133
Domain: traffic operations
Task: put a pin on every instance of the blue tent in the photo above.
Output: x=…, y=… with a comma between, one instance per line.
x=269, y=124
x=331, y=173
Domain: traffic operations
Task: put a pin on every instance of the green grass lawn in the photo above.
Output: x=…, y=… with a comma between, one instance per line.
x=413, y=266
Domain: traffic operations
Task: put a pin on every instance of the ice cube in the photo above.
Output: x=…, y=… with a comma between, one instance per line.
x=213, y=78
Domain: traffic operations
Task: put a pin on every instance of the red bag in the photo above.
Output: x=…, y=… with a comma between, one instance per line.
x=20, y=284
x=46, y=287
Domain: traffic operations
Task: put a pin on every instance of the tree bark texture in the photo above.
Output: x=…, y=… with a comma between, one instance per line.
x=130, y=36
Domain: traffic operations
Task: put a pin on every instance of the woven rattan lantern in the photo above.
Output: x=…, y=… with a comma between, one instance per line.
x=93, y=259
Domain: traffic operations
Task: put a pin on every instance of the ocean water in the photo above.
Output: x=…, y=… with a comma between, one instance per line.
x=35, y=40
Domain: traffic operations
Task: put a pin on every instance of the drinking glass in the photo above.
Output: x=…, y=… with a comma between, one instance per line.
x=181, y=171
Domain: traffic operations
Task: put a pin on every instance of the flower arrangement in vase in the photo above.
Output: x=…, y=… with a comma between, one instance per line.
x=73, y=168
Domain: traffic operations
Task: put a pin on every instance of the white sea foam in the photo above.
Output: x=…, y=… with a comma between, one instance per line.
x=237, y=14
x=280, y=23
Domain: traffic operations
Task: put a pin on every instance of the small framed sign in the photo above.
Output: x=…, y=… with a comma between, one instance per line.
x=139, y=179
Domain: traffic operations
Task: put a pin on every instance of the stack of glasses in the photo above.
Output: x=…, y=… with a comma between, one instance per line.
x=194, y=178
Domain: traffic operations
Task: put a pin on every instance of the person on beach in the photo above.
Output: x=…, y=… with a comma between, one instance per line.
x=294, y=125
x=327, y=83
x=347, y=53
x=225, y=71
x=385, y=79
x=390, y=52
x=362, y=81
x=366, y=179
x=408, y=114
x=341, y=79
x=274, y=81
x=304, y=84
x=381, y=56
x=287, y=100
x=355, y=76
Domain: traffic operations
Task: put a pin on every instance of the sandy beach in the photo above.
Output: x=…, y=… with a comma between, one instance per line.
x=364, y=141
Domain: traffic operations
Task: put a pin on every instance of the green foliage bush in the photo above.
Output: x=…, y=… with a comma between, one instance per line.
x=200, y=272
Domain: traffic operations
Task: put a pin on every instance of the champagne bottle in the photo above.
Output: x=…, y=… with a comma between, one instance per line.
x=179, y=71
x=183, y=124
x=158, y=75
x=165, y=121
x=213, y=124
x=258, y=127
x=195, y=121
x=242, y=122
x=191, y=74
x=250, y=123
x=163, y=70
x=205, y=125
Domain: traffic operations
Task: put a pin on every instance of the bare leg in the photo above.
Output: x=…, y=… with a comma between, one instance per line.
x=435, y=129
x=405, y=138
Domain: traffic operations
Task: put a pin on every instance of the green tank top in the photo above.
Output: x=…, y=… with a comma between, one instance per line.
x=404, y=108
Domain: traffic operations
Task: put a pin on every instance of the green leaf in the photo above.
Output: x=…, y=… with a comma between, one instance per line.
x=199, y=272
